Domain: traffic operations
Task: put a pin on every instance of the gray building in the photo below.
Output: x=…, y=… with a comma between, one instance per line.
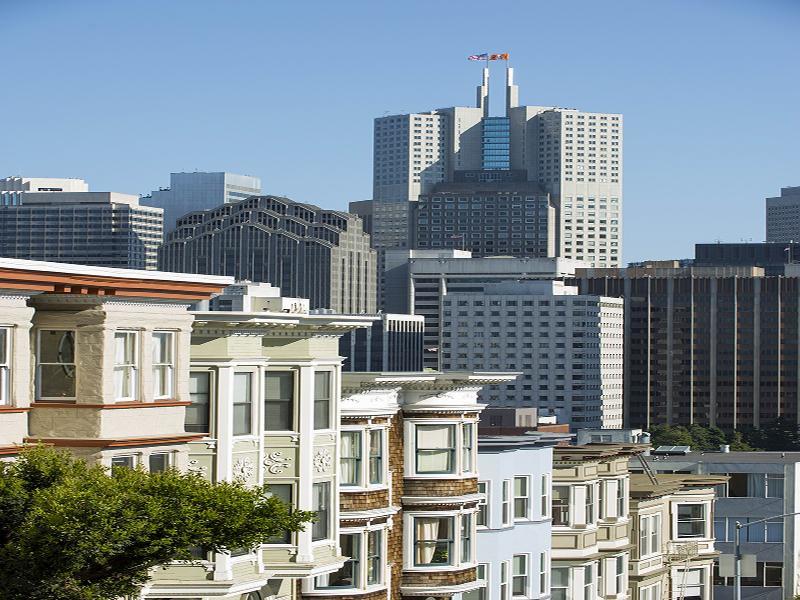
x=575, y=156
x=12, y=189
x=567, y=348
x=103, y=229
x=308, y=252
x=783, y=216
x=392, y=344
x=761, y=485
x=773, y=257
x=418, y=280
x=188, y=192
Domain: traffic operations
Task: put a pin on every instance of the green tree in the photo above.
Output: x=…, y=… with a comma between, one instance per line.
x=738, y=443
x=77, y=532
x=670, y=435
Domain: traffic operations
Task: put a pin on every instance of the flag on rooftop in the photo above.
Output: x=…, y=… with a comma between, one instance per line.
x=486, y=56
x=483, y=56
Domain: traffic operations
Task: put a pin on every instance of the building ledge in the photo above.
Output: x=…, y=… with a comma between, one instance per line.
x=154, y=404
x=118, y=442
x=421, y=500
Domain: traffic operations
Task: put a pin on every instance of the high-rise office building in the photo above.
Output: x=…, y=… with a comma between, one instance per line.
x=103, y=229
x=705, y=345
x=773, y=257
x=575, y=156
x=13, y=188
x=309, y=252
x=393, y=343
x=783, y=216
x=188, y=192
x=568, y=348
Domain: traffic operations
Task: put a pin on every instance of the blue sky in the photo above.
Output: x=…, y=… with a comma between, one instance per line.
x=121, y=93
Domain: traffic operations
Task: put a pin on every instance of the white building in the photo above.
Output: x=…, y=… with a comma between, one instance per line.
x=783, y=216
x=188, y=192
x=13, y=188
x=569, y=348
x=514, y=520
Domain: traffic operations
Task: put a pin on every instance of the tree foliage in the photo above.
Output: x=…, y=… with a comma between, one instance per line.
x=73, y=531
x=700, y=438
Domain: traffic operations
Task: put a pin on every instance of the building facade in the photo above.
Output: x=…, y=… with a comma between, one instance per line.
x=308, y=252
x=783, y=216
x=393, y=343
x=568, y=348
x=103, y=229
x=190, y=192
x=12, y=189
x=758, y=485
x=706, y=345
x=774, y=257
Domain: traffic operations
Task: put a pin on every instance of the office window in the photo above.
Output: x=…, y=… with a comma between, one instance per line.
x=506, y=502
x=279, y=401
x=321, y=504
x=5, y=365
x=158, y=462
x=350, y=458
x=482, y=514
x=691, y=520
x=467, y=432
x=559, y=583
x=561, y=511
x=125, y=365
x=56, y=368
x=521, y=497
x=374, y=557
x=774, y=485
x=128, y=461
x=504, y=580
x=376, y=456
x=198, y=413
x=242, y=404
x=433, y=541
x=519, y=578
x=775, y=530
x=435, y=448
x=282, y=491
x=163, y=364
x=322, y=400
x=466, y=538
x=545, y=495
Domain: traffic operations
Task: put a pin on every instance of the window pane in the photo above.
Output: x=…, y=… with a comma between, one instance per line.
x=56, y=364
x=322, y=400
x=3, y=346
x=242, y=404
x=123, y=461
x=279, y=401
x=433, y=540
x=347, y=576
x=374, y=553
x=435, y=448
x=376, y=456
x=162, y=347
x=198, y=412
x=350, y=457
x=321, y=505
x=56, y=347
x=158, y=462
x=560, y=505
x=57, y=381
x=282, y=491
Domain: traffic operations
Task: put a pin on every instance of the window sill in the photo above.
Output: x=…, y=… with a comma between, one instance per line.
x=346, y=591
x=441, y=568
x=378, y=487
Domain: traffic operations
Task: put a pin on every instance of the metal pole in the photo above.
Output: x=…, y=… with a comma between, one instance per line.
x=737, y=565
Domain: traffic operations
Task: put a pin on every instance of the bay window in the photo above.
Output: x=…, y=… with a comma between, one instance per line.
x=321, y=504
x=619, y=575
x=348, y=575
x=125, y=365
x=467, y=434
x=354, y=446
x=55, y=372
x=350, y=458
x=279, y=401
x=364, y=565
x=376, y=476
x=435, y=449
x=197, y=418
x=5, y=369
x=433, y=541
x=588, y=582
x=374, y=557
x=242, y=404
x=521, y=497
x=622, y=506
x=691, y=520
x=466, y=538
x=322, y=400
x=163, y=364
x=589, y=514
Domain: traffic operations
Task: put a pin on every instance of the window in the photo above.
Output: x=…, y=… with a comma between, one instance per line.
x=242, y=404
x=350, y=458
x=480, y=593
x=348, y=575
x=466, y=446
x=561, y=505
x=521, y=497
x=619, y=575
x=649, y=535
x=125, y=365
x=692, y=582
x=320, y=504
x=559, y=584
x=163, y=365
x=198, y=413
x=652, y=592
x=56, y=368
x=158, y=462
x=279, y=401
x=588, y=582
x=466, y=538
x=519, y=578
x=590, y=514
x=322, y=400
x=691, y=520
x=506, y=502
x=504, y=580
x=376, y=456
x=435, y=448
x=544, y=571
x=282, y=491
x=4, y=365
x=622, y=506
x=545, y=495
x=374, y=553
x=433, y=541
x=482, y=515
x=774, y=485
x=128, y=461
x=775, y=530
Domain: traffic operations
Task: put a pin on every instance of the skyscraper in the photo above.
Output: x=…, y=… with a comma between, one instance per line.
x=783, y=216
x=574, y=156
x=188, y=192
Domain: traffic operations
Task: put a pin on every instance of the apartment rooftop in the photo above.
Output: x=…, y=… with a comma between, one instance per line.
x=759, y=457
x=531, y=439
x=643, y=487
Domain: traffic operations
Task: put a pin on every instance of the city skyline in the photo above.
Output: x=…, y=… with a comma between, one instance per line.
x=692, y=94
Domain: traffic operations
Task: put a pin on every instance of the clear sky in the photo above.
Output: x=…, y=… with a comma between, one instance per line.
x=121, y=93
